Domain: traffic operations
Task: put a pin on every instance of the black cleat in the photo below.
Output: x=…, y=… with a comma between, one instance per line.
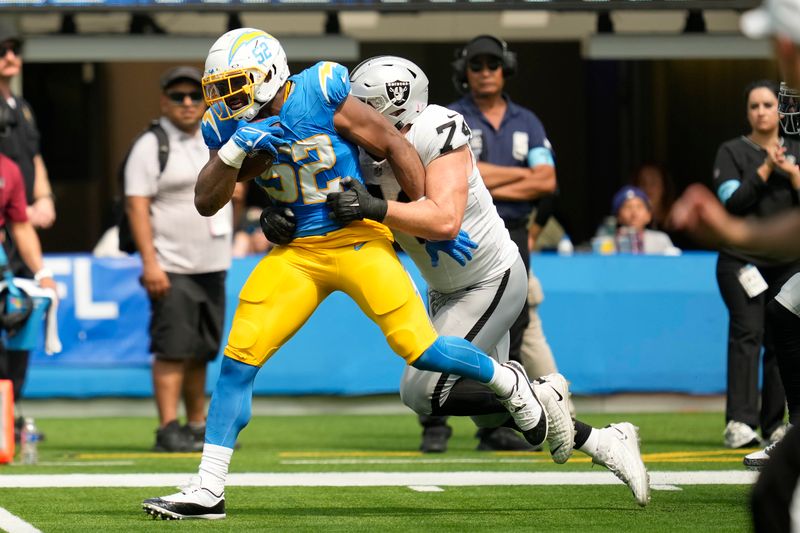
x=434, y=439
x=502, y=439
x=193, y=502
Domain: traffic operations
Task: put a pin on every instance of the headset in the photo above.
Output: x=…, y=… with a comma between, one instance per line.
x=508, y=59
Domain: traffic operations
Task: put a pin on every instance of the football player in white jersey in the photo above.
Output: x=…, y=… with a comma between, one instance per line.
x=476, y=278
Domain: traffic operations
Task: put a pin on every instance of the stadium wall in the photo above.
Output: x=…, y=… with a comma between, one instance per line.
x=615, y=323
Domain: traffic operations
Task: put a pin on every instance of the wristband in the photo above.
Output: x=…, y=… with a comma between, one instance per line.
x=231, y=154
x=43, y=273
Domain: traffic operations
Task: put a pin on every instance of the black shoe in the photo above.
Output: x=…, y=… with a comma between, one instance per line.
x=434, y=439
x=503, y=439
x=195, y=436
x=172, y=438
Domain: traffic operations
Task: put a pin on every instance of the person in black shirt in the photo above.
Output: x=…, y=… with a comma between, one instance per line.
x=19, y=140
x=754, y=175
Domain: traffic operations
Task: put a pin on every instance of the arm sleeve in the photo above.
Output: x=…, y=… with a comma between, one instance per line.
x=738, y=189
x=141, y=169
x=16, y=208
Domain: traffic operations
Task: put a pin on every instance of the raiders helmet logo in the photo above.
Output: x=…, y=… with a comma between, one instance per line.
x=397, y=91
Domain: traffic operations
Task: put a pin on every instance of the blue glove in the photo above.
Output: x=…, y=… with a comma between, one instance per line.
x=265, y=135
x=458, y=248
x=216, y=132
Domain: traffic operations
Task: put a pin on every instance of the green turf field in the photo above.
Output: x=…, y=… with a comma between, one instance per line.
x=350, y=444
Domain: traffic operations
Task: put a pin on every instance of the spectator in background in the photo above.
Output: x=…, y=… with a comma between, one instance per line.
x=184, y=260
x=634, y=214
x=659, y=188
x=248, y=238
x=19, y=141
x=755, y=175
x=14, y=222
x=516, y=162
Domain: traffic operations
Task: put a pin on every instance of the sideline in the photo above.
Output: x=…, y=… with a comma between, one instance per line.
x=378, y=479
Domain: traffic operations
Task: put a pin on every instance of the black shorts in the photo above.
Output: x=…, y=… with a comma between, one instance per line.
x=187, y=323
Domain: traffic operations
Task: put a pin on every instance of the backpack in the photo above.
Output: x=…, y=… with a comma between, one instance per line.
x=126, y=242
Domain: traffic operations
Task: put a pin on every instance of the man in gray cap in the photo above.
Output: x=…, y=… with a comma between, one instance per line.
x=185, y=258
x=19, y=140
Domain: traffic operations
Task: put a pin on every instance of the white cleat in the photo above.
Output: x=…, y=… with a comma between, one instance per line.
x=553, y=391
x=758, y=460
x=618, y=450
x=521, y=404
x=192, y=501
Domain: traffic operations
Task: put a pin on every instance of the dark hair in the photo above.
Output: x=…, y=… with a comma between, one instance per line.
x=668, y=197
x=758, y=84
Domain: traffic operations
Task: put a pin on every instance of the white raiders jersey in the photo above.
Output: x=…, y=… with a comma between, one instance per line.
x=436, y=131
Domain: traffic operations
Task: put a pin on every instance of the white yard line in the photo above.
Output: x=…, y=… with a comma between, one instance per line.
x=425, y=488
x=379, y=479
x=14, y=524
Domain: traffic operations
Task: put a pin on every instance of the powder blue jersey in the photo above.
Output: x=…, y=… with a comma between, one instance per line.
x=320, y=157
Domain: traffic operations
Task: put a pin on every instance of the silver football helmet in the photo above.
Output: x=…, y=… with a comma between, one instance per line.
x=394, y=86
x=244, y=70
x=789, y=109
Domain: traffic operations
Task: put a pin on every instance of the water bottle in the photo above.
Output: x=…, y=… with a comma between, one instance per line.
x=624, y=240
x=29, y=442
x=565, y=246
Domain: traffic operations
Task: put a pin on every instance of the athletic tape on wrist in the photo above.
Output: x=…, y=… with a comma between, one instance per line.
x=231, y=154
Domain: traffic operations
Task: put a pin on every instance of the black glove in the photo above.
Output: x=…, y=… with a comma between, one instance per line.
x=355, y=203
x=278, y=224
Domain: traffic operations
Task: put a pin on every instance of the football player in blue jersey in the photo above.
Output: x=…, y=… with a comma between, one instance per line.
x=310, y=128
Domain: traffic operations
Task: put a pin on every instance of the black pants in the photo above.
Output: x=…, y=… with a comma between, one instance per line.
x=748, y=331
x=519, y=234
x=14, y=366
x=773, y=492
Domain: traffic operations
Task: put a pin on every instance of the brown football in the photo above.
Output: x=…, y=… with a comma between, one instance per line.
x=254, y=166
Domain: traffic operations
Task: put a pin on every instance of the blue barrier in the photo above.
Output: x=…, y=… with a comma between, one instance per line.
x=617, y=323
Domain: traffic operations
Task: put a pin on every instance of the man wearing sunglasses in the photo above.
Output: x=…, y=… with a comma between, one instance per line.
x=184, y=259
x=516, y=162
x=19, y=141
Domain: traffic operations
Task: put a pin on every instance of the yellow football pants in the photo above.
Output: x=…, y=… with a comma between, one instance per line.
x=287, y=286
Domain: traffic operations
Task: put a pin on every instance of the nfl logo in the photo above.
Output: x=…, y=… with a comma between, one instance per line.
x=397, y=91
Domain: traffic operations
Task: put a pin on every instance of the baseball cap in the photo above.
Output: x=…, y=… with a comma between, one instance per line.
x=773, y=17
x=483, y=45
x=625, y=194
x=177, y=74
x=8, y=32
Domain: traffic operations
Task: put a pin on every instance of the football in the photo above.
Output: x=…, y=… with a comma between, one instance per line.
x=255, y=165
